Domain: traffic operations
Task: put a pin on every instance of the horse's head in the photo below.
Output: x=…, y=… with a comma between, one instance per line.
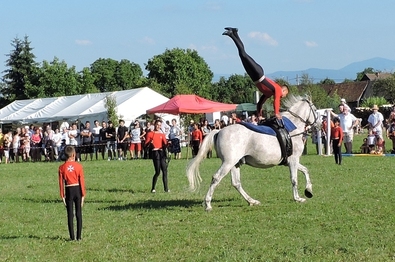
x=302, y=108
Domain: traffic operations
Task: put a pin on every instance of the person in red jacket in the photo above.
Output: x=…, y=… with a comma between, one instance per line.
x=196, y=139
x=337, y=139
x=157, y=141
x=72, y=190
x=267, y=86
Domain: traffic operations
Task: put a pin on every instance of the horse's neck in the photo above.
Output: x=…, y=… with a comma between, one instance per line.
x=300, y=125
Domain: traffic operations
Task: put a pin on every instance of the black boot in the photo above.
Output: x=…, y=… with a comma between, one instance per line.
x=230, y=31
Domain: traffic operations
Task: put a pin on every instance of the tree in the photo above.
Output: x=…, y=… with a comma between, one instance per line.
x=374, y=100
x=128, y=75
x=327, y=81
x=221, y=91
x=55, y=79
x=347, y=80
x=104, y=73
x=87, y=82
x=368, y=70
x=178, y=67
x=111, y=75
x=385, y=87
x=110, y=104
x=20, y=73
x=318, y=94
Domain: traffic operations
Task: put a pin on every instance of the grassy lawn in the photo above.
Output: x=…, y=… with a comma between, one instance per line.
x=350, y=217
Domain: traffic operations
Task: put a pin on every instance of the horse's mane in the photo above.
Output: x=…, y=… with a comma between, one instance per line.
x=292, y=99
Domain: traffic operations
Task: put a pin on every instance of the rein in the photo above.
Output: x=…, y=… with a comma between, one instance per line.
x=301, y=119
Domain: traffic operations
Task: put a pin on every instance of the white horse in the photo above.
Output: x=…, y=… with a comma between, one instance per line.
x=237, y=144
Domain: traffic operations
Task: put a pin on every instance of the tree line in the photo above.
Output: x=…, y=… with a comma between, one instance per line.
x=175, y=71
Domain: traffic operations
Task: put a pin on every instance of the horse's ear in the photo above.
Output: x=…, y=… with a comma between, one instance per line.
x=311, y=99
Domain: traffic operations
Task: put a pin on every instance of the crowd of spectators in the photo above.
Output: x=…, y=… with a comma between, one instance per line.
x=378, y=128
x=103, y=140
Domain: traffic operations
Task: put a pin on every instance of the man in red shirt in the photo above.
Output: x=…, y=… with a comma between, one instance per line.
x=267, y=86
x=72, y=190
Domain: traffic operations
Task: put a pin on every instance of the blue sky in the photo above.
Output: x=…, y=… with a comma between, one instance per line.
x=278, y=34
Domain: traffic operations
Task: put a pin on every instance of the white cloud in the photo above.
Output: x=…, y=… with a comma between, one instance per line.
x=211, y=48
x=83, y=42
x=192, y=47
x=148, y=40
x=206, y=48
x=310, y=43
x=263, y=37
x=213, y=6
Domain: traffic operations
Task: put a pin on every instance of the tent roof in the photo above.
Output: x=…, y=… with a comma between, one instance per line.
x=192, y=104
x=130, y=104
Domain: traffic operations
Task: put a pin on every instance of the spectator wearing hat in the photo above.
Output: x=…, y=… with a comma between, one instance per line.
x=375, y=122
x=344, y=103
x=347, y=122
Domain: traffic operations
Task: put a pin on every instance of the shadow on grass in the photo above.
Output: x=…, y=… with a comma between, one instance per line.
x=113, y=190
x=57, y=201
x=54, y=238
x=162, y=204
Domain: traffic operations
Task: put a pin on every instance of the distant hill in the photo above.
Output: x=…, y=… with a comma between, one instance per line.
x=348, y=72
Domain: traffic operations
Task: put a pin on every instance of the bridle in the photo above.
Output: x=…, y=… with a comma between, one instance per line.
x=307, y=122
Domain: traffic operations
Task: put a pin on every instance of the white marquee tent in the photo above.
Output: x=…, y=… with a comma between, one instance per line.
x=130, y=105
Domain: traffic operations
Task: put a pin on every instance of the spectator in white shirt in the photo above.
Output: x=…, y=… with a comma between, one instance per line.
x=375, y=121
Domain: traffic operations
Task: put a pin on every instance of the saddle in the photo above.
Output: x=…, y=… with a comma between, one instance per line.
x=283, y=137
x=278, y=128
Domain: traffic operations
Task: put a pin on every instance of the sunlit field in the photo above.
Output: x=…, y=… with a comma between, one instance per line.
x=350, y=217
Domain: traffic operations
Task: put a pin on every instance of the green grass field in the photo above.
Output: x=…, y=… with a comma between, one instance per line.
x=350, y=217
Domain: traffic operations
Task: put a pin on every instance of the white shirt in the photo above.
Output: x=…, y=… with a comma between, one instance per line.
x=371, y=140
x=165, y=128
x=135, y=135
x=73, y=140
x=346, y=122
x=175, y=132
x=376, y=119
x=225, y=118
x=96, y=133
x=65, y=136
x=57, y=138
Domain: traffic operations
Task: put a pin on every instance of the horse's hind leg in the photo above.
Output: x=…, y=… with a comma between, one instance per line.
x=221, y=173
x=236, y=182
x=308, y=192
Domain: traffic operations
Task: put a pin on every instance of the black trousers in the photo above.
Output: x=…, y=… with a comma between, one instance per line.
x=337, y=151
x=159, y=160
x=253, y=69
x=74, y=197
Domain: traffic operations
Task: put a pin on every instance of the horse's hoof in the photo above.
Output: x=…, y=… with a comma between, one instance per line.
x=302, y=200
x=308, y=193
x=255, y=203
x=209, y=209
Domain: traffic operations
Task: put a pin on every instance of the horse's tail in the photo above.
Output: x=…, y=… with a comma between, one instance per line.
x=193, y=173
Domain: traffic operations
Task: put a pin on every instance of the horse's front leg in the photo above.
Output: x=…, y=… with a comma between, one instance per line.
x=221, y=173
x=308, y=192
x=236, y=182
x=293, y=170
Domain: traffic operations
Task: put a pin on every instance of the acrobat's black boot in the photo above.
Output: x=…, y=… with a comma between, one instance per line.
x=230, y=31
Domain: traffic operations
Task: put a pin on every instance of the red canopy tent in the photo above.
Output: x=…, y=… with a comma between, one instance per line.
x=190, y=104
